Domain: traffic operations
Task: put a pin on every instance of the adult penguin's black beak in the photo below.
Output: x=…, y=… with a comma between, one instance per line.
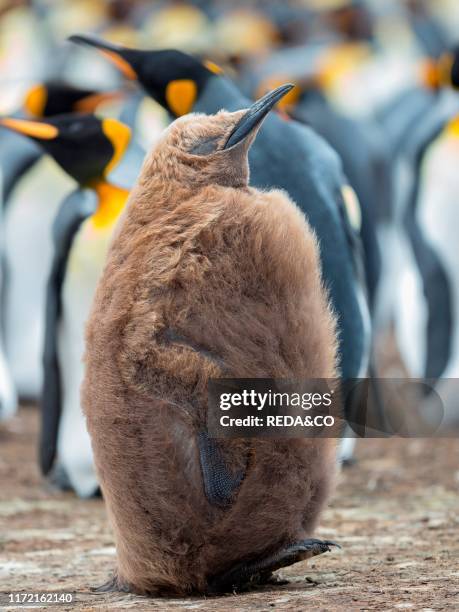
x=122, y=57
x=254, y=116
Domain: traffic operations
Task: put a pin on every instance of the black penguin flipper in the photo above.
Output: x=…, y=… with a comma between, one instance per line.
x=76, y=207
x=220, y=484
x=439, y=299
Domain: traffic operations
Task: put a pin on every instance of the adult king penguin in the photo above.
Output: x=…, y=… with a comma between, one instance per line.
x=43, y=100
x=435, y=212
x=286, y=155
x=207, y=278
x=90, y=150
x=34, y=188
x=424, y=291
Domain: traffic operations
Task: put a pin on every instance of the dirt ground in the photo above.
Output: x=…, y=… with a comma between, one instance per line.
x=395, y=513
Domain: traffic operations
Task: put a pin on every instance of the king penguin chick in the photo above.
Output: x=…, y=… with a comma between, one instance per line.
x=33, y=190
x=88, y=149
x=206, y=277
x=287, y=155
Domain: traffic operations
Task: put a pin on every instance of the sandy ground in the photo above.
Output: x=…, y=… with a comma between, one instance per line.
x=395, y=513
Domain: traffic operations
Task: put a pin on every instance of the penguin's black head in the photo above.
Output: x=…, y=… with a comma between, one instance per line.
x=173, y=78
x=455, y=67
x=85, y=147
x=59, y=98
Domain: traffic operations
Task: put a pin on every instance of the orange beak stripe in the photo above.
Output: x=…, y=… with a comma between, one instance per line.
x=122, y=65
x=35, y=129
x=90, y=103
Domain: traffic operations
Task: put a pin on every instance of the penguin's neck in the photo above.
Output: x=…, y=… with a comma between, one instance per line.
x=110, y=202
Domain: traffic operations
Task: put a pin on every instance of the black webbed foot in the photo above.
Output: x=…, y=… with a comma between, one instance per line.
x=244, y=575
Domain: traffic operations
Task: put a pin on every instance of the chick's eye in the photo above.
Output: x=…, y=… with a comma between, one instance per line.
x=205, y=146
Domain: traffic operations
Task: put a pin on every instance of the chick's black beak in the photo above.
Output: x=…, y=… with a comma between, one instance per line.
x=121, y=57
x=255, y=114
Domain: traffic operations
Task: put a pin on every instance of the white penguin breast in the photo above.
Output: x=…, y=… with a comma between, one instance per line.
x=28, y=253
x=410, y=310
x=8, y=398
x=438, y=215
x=84, y=268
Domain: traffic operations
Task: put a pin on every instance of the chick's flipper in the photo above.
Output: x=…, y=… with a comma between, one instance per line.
x=220, y=484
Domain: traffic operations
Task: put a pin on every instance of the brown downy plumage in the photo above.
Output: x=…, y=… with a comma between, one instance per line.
x=206, y=277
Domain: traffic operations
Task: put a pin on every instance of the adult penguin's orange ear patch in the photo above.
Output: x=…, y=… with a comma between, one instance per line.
x=123, y=66
x=181, y=95
x=429, y=74
x=35, y=100
x=445, y=69
x=438, y=73
x=34, y=129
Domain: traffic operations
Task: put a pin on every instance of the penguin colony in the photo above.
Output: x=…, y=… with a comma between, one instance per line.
x=245, y=243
